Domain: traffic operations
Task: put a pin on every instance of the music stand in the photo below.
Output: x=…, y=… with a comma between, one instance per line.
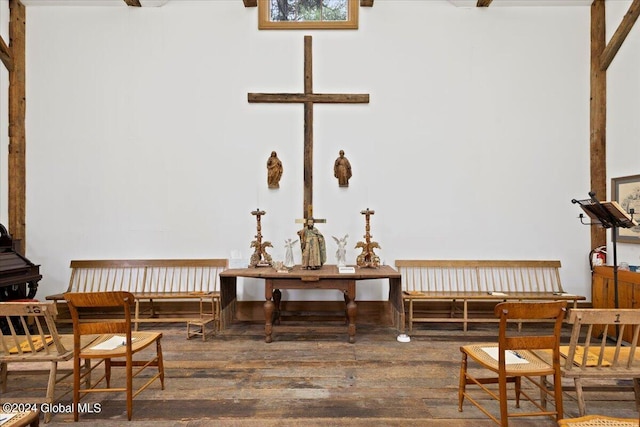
x=607, y=215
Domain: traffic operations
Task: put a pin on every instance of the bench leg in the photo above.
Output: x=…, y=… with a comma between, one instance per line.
x=465, y=315
x=136, y=316
x=410, y=315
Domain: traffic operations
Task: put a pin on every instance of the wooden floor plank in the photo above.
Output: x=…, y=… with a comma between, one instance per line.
x=310, y=375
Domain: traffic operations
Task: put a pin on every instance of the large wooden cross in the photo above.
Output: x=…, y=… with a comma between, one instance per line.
x=308, y=98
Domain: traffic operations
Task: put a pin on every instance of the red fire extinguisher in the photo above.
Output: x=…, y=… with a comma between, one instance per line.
x=598, y=256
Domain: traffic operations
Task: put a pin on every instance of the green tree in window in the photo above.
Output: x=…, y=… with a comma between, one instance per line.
x=309, y=10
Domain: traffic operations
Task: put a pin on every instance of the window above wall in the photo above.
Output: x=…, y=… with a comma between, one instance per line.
x=307, y=14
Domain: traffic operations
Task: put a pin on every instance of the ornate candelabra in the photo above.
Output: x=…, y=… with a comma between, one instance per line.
x=367, y=257
x=260, y=257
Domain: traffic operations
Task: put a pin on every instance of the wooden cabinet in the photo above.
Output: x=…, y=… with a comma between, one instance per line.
x=603, y=291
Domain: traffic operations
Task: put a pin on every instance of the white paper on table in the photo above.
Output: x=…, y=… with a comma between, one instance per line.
x=511, y=357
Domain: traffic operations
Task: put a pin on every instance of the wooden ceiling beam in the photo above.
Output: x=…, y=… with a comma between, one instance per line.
x=483, y=3
x=366, y=3
x=250, y=3
x=5, y=55
x=620, y=35
x=134, y=3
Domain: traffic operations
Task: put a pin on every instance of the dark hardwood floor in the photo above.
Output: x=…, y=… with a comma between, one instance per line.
x=310, y=376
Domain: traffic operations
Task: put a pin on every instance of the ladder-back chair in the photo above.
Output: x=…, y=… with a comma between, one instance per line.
x=29, y=334
x=115, y=346
x=513, y=358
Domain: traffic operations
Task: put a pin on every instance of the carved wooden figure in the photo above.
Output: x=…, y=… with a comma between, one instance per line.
x=274, y=170
x=260, y=257
x=342, y=170
x=314, y=250
x=368, y=258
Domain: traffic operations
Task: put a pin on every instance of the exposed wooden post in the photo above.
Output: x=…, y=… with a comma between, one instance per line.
x=598, y=115
x=17, y=136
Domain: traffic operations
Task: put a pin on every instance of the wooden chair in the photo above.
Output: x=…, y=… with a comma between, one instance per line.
x=598, y=354
x=512, y=358
x=26, y=326
x=116, y=341
x=598, y=421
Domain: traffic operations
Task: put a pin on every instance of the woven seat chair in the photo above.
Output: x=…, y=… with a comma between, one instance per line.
x=512, y=359
x=128, y=344
x=598, y=421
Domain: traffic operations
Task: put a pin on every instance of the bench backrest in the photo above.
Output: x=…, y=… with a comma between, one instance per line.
x=480, y=276
x=25, y=327
x=140, y=276
x=603, y=354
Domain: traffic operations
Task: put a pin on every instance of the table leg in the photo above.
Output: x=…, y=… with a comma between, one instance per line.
x=352, y=310
x=277, y=297
x=268, y=316
x=228, y=297
x=269, y=307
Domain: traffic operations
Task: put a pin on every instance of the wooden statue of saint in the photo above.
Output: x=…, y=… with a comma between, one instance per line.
x=342, y=170
x=314, y=250
x=274, y=170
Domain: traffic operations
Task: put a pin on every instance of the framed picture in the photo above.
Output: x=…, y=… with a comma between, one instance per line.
x=305, y=15
x=626, y=191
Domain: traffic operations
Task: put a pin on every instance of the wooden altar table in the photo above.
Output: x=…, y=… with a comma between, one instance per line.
x=327, y=277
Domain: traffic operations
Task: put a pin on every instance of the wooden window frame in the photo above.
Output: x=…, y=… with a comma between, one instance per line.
x=264, y=23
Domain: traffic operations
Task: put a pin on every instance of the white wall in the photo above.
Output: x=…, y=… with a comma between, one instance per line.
x=141, y=142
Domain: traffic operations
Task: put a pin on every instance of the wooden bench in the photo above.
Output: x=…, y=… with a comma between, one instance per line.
x=458, y=282
x=597, y=351
x=152, y=281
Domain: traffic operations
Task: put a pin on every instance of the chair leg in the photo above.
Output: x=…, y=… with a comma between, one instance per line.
x=580, y=397
x=518, y=387
x=557, y=395
x=3, y=377
x=76, y=386
x=129, y=389
x=160, y=363
x=636, y=391
x=107, y=371
x=502, y=389
x=543, y=393
x=462, y=386
x=51, y=386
